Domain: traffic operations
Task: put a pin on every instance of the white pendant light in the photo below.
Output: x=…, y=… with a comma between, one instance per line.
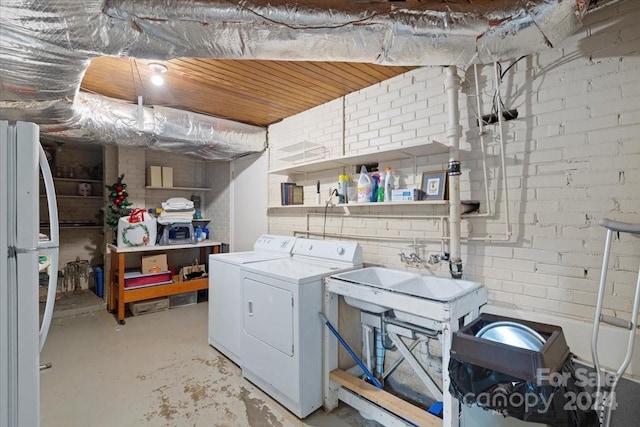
x=158, y=70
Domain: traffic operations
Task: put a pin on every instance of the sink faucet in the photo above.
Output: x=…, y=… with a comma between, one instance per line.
x=403, y=257
x=415, y=258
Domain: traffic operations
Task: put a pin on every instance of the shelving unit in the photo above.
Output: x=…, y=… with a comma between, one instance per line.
x=376, y=155
x=119, y=295
x=79, y=217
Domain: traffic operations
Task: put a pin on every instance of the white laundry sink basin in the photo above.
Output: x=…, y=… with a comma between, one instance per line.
x=378, y=277
x=436, y=288
x=421, y=286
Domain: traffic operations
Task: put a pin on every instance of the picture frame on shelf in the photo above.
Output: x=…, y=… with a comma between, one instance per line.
x=434, y=185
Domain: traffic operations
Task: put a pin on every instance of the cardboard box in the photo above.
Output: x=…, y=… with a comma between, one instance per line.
x=167, y=176
x=405, y=194
x=154, y=263
x=154, y=176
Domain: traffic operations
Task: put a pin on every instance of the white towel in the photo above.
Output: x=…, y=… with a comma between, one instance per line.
x=177, y=203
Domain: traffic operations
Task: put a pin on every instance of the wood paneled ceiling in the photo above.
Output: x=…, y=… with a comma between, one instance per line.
x=247, y=91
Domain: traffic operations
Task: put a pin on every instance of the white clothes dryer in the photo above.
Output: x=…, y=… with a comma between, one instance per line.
x=282, y=338
x=225, y=290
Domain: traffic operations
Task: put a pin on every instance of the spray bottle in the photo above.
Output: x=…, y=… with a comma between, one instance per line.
x=388, y=184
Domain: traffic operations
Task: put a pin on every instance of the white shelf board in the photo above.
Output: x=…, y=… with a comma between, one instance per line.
x=76, y=180
x=67, y=196
x=149, y=187
x=300, y=146
x=371, y=204
x=372, y=156
x=202, y=244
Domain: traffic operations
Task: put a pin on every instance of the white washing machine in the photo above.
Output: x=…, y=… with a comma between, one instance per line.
x=225, y=290
x=282, y=338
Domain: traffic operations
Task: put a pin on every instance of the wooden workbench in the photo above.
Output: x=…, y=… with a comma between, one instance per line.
x=119, y=295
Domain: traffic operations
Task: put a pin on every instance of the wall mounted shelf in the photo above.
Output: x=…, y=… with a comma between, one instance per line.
x=376, y=155
x=148, y=187
x=76, y=180
x=372, y=205
x=66, y=196
x=64, y=226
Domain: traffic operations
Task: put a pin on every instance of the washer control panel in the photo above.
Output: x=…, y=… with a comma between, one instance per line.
x=337, y=250
x=274, y=243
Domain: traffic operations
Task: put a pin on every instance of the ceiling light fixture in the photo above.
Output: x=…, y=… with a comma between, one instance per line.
x=158, y=70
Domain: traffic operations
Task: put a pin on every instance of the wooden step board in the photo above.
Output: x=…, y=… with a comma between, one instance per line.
x=386, y=400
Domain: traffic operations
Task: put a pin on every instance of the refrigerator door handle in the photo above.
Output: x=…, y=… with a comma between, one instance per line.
x=54, y=236
x=50, y=247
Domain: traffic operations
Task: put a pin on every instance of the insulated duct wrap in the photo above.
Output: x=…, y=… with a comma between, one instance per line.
x=111, y=122
x=45, y=48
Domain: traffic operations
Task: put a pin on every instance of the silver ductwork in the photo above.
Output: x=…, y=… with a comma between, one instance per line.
x=108, y=121
x=45, y=48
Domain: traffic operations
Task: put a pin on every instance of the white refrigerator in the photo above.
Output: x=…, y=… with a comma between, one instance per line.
x=22, y=164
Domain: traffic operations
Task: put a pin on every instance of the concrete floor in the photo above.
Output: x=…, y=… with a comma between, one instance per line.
x=157, y=370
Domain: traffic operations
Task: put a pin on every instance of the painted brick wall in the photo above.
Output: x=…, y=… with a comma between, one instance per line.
x=218, y=203
x=572, y=157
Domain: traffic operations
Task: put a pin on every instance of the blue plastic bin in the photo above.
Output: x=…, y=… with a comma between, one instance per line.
x=99, y=276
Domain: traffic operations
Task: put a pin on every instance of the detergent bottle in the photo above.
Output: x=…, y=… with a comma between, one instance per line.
x=375, y=179
x=364, y=186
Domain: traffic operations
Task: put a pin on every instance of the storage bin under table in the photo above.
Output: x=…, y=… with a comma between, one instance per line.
x=119, y=295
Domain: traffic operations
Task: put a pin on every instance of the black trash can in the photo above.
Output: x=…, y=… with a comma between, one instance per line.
x=531, y=383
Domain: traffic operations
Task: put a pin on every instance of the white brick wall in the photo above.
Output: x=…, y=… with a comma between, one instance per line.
x=573, y=157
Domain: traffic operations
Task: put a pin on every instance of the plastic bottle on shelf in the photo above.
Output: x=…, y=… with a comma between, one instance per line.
x=380, y=196
x=343, y=181
x=388, y=184
x=364, y=186
x=375, y=182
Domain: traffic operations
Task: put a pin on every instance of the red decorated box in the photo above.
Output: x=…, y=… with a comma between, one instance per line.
x=137, y=279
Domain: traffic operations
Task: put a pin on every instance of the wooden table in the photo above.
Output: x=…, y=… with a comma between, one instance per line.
x=120, y=295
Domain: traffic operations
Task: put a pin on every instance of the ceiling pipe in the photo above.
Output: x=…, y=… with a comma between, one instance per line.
x=454, y=132
x=45, y=47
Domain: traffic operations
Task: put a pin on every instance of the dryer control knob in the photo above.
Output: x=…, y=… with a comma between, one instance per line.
x=340, y=250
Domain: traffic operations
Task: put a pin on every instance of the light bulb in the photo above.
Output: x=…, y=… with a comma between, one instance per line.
x=157, y=80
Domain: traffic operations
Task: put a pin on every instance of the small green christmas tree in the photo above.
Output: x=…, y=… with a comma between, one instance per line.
x=117, y=205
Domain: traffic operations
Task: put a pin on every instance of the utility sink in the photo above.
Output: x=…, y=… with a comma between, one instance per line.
x=420, y=286
x=378, y=277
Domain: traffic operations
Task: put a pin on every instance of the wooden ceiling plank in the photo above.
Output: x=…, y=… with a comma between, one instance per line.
x=256, y=71
x=245, y=88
